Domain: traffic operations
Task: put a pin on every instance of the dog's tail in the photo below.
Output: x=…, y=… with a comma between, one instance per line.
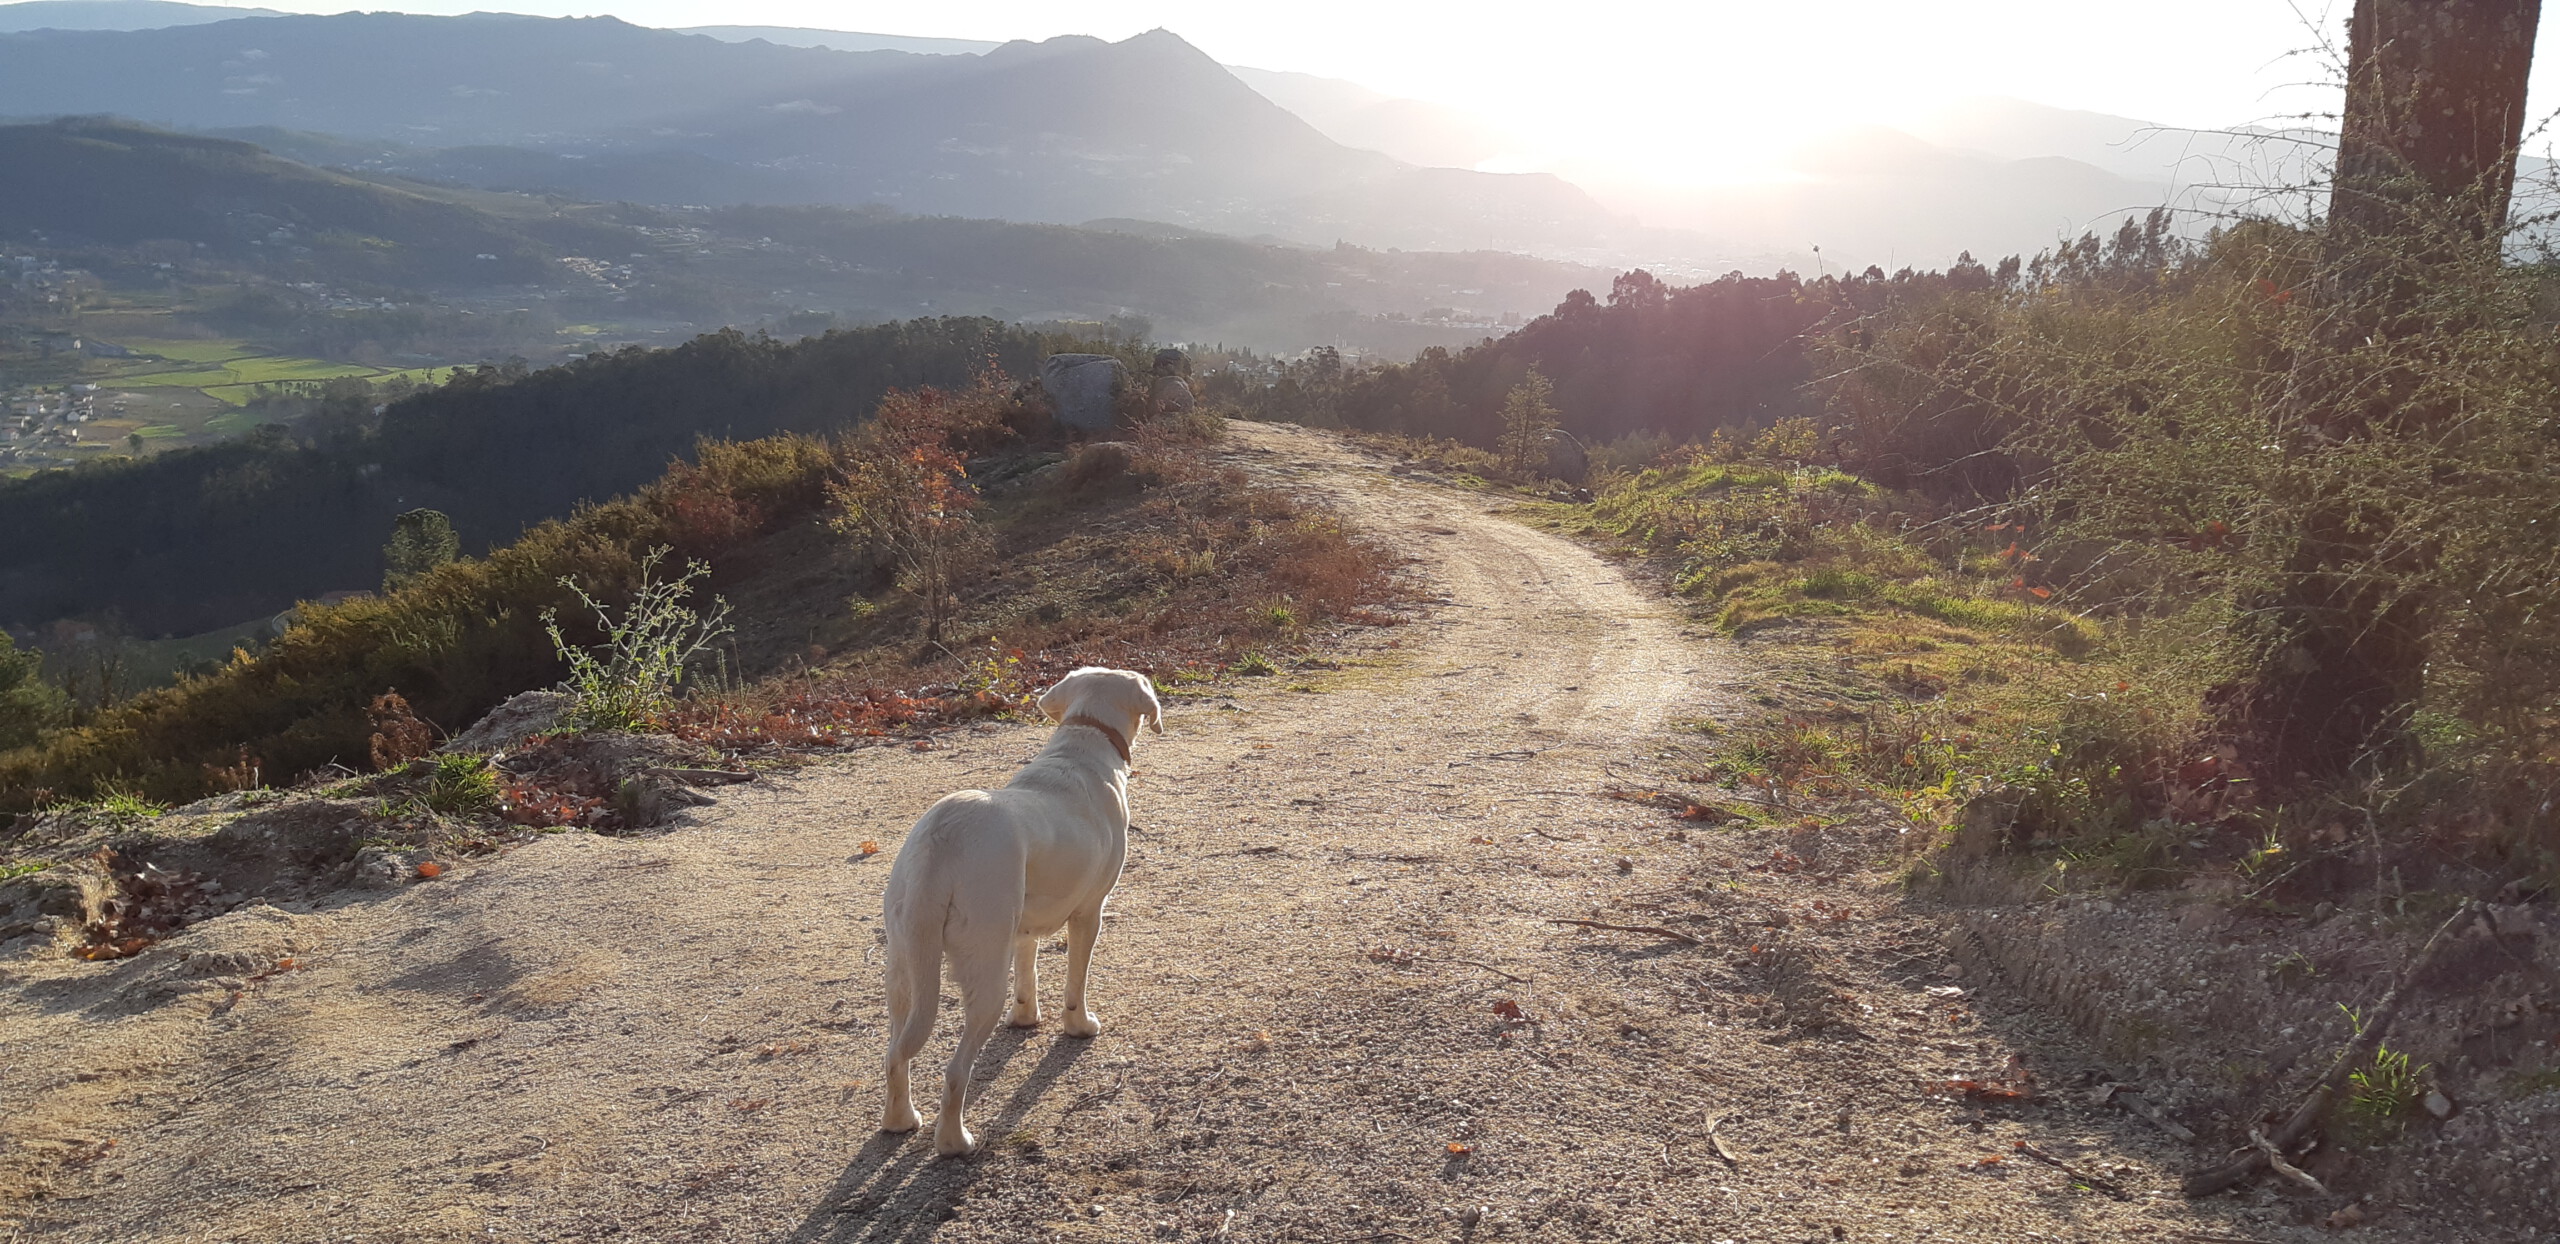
x=915, y=972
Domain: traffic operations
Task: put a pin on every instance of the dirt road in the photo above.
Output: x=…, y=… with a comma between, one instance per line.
x=1336, y=1004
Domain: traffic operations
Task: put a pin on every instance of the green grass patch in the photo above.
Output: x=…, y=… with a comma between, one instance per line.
x=232, y=423
x=1918, y=663
x=461, y=786
x=206, y=350
x=160, y=431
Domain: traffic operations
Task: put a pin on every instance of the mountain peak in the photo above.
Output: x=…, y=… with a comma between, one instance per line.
x=1019, y=50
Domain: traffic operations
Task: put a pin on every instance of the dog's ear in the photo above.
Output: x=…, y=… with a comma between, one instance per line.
x=1054, y=702
x=1153, y=717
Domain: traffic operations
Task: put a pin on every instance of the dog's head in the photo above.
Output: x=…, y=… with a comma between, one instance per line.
x=1122, y=699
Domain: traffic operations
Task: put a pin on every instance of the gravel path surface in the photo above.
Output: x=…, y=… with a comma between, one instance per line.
x=1336, y=1001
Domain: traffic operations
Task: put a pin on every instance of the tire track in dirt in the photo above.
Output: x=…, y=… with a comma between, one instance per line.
x=1335, y=1005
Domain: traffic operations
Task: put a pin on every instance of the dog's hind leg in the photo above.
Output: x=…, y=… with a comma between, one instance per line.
x=1026, y=983
x=977, y=964
x=1082, y=928
x=915, y=981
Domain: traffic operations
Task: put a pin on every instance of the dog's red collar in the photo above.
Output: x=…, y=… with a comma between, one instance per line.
x=1119, y=741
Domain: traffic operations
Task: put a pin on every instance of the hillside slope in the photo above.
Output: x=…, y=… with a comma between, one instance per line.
x=113, y=196
x=76, y=182
x=194, y=539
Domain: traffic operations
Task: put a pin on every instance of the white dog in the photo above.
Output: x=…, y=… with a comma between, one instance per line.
x=985, y=874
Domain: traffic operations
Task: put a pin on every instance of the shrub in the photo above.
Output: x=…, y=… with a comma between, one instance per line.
x=398, y=736
x=2196, y=443
x=457, y=640
x=902, y=494
x=626, y=682
x=421, y=540
x=1094, y=465
x=28, y=704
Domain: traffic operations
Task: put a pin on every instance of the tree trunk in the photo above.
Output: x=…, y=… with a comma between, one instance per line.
x=2435, y=111
x=2426, y=166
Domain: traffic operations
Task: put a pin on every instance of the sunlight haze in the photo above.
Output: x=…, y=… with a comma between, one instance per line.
x=1690, y=93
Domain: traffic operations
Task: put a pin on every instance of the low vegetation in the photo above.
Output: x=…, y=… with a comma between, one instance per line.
x=631, y=679
x=1141, y=553
x=1919, y=667
x=189, y=540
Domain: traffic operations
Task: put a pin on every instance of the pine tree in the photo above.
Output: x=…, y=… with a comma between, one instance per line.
x=421, y=540
x=1528, y=419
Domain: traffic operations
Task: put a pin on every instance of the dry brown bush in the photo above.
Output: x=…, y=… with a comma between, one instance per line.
x=398, y=735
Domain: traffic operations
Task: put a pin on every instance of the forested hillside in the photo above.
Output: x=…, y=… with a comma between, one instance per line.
x=1653, y=359
x=87, y=181
x=1654, y=362
x=190, y=540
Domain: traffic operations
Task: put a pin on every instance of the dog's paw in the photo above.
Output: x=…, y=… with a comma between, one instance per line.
x=954, y=1141
x=1024, y=1016
x=900, y=1117
x=1082, y=1024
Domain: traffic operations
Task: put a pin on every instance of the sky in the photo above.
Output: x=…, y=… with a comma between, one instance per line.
x=1685, y=86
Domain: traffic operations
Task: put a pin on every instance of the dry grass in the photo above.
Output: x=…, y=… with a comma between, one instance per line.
x=1918, y=660
x=1160, y=559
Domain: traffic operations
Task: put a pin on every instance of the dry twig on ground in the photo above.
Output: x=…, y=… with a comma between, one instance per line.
x=1655, y=929
x=2306, y=1118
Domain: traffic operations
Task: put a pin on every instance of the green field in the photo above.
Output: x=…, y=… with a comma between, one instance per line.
x=230, y=371
x=193, y=391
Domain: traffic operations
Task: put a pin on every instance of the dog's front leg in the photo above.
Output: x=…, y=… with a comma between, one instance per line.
x=1082, y=928
x=1026, y=983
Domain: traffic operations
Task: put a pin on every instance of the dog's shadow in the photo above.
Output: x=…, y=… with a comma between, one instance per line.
x=896, y=1191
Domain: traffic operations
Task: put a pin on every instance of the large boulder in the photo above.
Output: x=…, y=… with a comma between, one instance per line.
x=1169, y=395
x=511, y=723
x=1567, y=460
x=1084, y=389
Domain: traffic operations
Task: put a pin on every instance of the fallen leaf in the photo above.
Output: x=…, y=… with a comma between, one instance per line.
x=430, y=869
x=870, y=847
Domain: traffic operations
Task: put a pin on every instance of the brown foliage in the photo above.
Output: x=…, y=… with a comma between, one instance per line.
x=398, y=735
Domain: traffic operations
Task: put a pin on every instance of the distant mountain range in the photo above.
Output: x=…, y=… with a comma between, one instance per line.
x=115, y=195
x=115, y=14
x=1075, y=129
x=1066, y=130
x=841, y=40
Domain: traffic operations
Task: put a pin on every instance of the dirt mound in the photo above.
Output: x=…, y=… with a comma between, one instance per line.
x=2218, y=1010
